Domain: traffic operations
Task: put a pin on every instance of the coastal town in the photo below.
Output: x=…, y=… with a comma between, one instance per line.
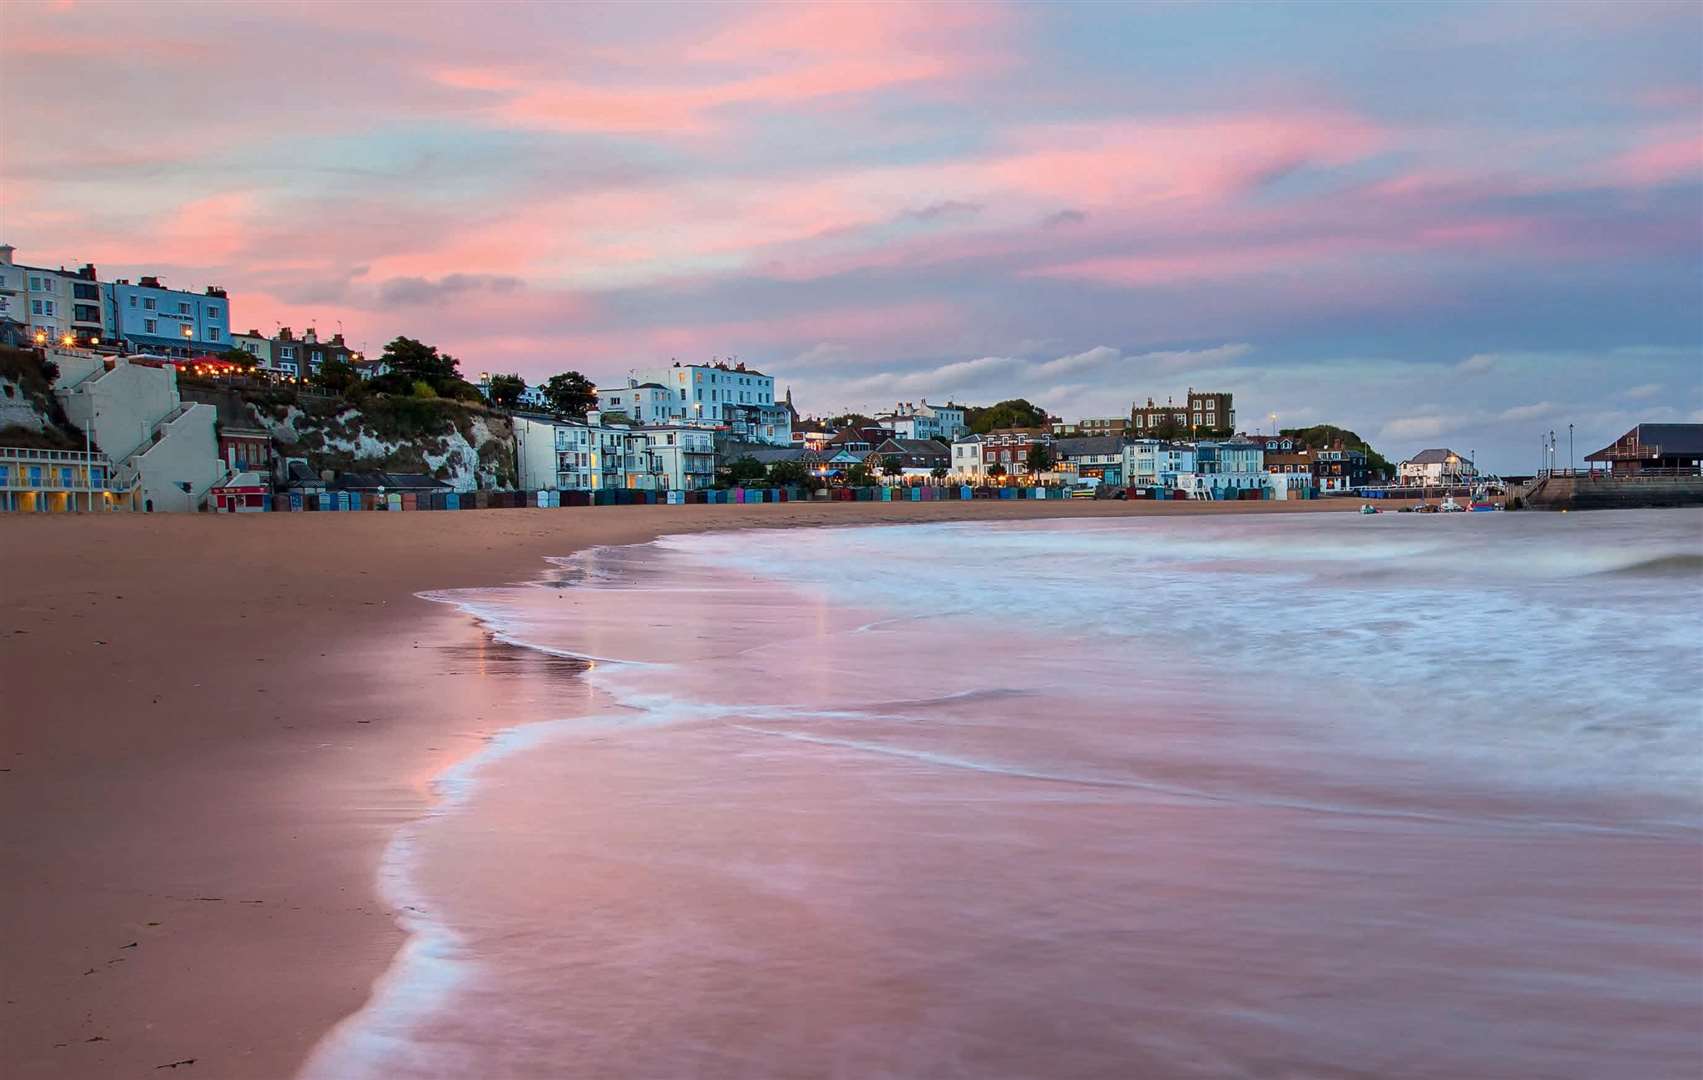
x=122, y=395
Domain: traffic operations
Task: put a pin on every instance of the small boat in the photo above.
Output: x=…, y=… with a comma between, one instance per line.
x=1368, y=508
x=1482, y=507
x=1450, y=506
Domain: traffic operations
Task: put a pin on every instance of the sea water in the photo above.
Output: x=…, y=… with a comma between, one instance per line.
x=1264, y=796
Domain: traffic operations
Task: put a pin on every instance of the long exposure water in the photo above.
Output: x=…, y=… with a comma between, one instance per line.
x=1266, y=796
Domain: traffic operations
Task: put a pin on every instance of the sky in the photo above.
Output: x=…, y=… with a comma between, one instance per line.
x=1454, y=225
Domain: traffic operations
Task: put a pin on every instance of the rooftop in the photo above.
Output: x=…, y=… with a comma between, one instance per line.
x=1438, y=456
x=1089, y=444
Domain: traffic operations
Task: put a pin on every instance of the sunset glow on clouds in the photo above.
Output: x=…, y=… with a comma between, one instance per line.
x=1327, y=210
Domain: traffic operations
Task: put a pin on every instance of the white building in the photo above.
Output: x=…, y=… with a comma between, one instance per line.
x=641, y=402
x=57, y=307
x=676, y=457
x=967, y=458
x=568, y=455
x=736, y=397
x=165, y=449
x=1153, y=463
x=920, y=420
x=1437, y=467
x=591, y=455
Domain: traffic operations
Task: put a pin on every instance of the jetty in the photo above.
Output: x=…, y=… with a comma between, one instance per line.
x=1652, y=465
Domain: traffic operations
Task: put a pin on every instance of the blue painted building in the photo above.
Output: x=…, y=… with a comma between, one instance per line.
x=148, y=317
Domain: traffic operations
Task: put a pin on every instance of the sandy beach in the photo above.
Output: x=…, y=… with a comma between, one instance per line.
x=211, y=727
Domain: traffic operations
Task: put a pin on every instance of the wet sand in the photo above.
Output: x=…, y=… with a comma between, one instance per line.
x=211, y=727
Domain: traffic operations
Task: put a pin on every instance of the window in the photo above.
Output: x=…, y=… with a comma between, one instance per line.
x=36, y=284
x=132, y=299
x=151, y=325
x=212, y=313
x=182, y=308
x=212, y=333
x=41, y=307
x=4, y=303
x=83, y=290
x=149, y=304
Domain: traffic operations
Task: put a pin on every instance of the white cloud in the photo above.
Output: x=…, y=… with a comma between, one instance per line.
x=1476, y=364
x=1638, y=393
x=1179, y=359
x=1097, y=357
x=821, y=354
x=1415, y=427
x=1528, y=412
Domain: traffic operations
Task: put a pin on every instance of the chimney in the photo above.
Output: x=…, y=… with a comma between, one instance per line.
x=216, y=290
x=6, y=251
x=86, y=272
x=149, y=283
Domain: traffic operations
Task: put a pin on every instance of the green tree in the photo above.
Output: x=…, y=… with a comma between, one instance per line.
x=1167, y=428
x=423, y=389
x=940, y=472
x=506, y=390
x=242, y=358
x=418, y=362
x=1039, y=459
x=570, y=394
x=745, y=469
x=337, y=376
x=1324, y=436
x=858, y=476
x=996, y=470
x=1014, y=413
x=892, y=466
x=789, y=474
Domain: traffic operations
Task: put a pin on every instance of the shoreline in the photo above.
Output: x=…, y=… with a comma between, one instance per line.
x=225, y=730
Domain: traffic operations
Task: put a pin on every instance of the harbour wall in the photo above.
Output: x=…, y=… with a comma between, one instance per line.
x=1609, y=493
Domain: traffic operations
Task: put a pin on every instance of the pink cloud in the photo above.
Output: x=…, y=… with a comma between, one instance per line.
x=1190, y=159
x=781, y=55
x=1667, y=157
